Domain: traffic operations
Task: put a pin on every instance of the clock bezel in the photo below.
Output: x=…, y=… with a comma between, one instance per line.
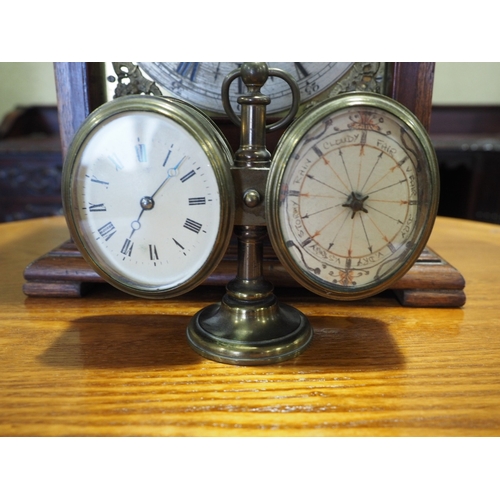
x=286, y=147
x=219, y=154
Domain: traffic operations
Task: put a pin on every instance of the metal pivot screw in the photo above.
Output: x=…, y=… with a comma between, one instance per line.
x=251, y=198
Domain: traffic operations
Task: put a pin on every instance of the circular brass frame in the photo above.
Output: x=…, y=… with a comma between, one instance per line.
x=214, y=144
x=284, y=151
x=249, y=334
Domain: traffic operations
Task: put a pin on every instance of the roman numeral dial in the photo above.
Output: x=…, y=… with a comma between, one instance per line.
x=200, y=82
x=145, y=198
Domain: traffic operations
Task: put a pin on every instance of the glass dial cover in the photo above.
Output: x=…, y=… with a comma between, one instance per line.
x=352, y=195
x=147, y=194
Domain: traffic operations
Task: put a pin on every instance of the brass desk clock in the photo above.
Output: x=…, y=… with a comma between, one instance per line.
x=151, y=194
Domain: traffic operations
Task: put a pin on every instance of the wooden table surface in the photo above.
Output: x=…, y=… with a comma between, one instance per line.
x=113, y=365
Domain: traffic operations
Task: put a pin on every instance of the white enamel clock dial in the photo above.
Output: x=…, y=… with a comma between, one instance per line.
x=147, y=195
x=352, y=195
x=200, y=82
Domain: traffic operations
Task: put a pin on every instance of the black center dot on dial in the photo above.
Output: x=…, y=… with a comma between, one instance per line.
x=355, y=202
x=147, y=203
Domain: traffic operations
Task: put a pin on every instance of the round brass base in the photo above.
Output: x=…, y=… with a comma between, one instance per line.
x=257, y=334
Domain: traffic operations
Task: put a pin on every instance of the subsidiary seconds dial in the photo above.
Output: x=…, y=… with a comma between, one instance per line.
x=146, y=195
x=353, y=195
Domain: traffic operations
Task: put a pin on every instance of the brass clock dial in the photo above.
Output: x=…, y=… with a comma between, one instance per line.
x=147, y=194
x=352, y=195
x=200, y=82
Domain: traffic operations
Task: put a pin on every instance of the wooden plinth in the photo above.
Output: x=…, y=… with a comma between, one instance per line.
x=62, y=272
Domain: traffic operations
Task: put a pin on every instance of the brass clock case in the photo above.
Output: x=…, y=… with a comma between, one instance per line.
x=352, y=195
x=202, y=134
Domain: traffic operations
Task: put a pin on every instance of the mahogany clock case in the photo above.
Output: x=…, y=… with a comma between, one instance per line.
x=81, y=89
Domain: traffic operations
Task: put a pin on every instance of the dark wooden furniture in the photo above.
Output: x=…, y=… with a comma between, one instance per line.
x=467, y=142
x=80, y=88
x=30, y=163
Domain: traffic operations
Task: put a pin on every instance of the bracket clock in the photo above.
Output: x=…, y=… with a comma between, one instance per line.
x=154, y=186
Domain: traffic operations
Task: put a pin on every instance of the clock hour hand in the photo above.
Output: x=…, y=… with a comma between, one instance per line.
x=147, y=202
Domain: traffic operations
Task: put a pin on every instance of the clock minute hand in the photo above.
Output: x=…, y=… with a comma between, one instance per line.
x=171, y=173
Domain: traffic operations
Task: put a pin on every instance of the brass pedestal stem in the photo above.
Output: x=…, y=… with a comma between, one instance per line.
x=249, y=326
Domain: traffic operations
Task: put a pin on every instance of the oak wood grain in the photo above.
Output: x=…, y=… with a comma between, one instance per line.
x=114, y=365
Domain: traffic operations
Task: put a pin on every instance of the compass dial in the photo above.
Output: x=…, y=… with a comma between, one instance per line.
x=353, y=195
